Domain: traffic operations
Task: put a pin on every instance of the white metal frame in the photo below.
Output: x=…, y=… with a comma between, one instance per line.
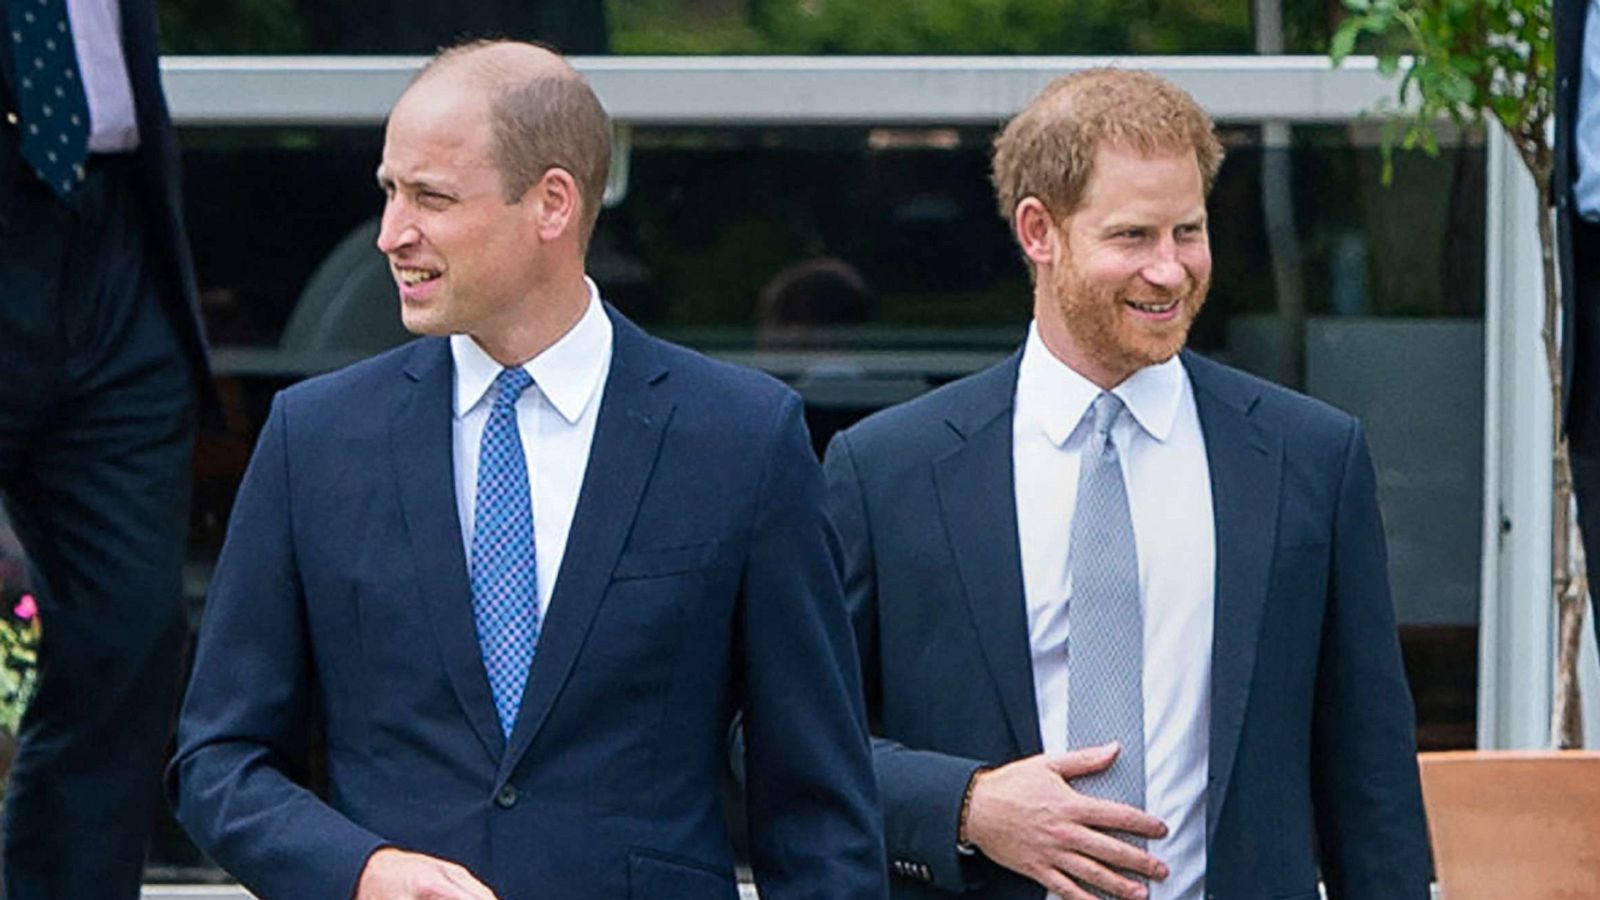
x=355, y=90
x=1517, y=634
x=1517, y=625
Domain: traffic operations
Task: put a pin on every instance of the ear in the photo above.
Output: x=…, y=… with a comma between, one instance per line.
x=1036, y=231
x=555, y=204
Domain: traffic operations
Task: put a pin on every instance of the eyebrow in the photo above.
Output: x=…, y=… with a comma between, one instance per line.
x=1199, y=218
x=423, y=183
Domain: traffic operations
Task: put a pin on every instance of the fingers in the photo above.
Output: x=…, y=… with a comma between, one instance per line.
x=1087, y=871
x=1107, y=815
x=1118, y=854
x=471, y=888
x=1087, y=761
x=392, y=874
x=1061, y=886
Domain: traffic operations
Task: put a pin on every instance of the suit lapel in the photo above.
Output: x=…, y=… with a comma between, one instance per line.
x=425, y=469
x=977, y=499
x=1246, y=463
x=631, y=421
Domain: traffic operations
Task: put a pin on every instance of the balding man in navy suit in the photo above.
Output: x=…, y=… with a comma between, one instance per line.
x=527, y=569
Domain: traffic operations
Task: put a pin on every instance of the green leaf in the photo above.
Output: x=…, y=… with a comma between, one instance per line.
x=1456, y=87
x=1344, y=40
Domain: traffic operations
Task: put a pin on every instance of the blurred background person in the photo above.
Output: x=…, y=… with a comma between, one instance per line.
x=801, y=305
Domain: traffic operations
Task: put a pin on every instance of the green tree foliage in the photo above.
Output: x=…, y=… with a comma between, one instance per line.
x=931, y=26
x=1463, y=59
x=828, y=26
x=230, y=26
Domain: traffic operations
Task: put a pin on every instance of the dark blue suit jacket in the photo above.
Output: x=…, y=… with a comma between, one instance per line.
x=157, y=168
x=1312, y=754
x=699, y=580
x=1580, y=332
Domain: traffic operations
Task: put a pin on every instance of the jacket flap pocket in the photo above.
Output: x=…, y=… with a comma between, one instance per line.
x=654, y=876
x=650, y=562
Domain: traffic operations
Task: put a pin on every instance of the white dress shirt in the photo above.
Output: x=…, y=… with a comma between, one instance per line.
x=97, y=38
x=555, y=419
x=1163, y=457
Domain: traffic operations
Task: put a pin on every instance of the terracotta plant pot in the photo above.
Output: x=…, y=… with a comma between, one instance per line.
x=1514, y=824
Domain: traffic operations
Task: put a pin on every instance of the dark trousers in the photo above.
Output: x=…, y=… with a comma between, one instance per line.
x=96, y=434
x=1583, y=430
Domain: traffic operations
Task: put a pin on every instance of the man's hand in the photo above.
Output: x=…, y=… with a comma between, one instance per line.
x=1026, y=817
x=392, y=874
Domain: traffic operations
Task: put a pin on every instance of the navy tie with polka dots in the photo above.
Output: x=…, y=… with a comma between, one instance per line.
x=53, y=113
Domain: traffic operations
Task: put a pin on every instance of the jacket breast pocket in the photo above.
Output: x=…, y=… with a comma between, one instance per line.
x=654, y=562
x=654, y=876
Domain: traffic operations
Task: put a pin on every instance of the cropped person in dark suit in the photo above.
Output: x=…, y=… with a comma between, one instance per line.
x=104, y=361
x=527, y=570
x=1123, y=612
x=1576, y=186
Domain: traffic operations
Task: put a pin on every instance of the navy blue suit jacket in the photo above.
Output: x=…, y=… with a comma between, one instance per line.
x=157, y=166
x=1577, y=245
x=1312, y=754
x=699, y=580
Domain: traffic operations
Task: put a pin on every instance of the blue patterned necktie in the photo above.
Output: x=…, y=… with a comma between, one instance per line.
x=52, y=108
x=1105, y=665
x=505, y=594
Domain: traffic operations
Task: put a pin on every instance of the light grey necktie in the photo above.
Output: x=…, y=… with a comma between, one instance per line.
x=1105, y=665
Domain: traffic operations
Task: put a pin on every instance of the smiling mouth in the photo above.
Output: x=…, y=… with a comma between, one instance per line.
x=1154, y=308
x=413, y=277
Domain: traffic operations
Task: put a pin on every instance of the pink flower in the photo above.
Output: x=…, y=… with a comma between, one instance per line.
x=26, y=608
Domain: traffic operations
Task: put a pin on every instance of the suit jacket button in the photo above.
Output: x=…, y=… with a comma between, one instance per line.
x=506, y=797
x=11, y=118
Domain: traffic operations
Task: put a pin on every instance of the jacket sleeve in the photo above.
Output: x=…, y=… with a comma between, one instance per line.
x=236, y=781
x=1370, y=823
x=812, y=801
x=921, y=789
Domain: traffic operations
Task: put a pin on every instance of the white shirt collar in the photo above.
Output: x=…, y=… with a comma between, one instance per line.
x=1055, y=396
x=567, y=372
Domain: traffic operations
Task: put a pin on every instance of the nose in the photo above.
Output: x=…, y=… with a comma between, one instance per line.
x=1166, y=269
x=397, y=229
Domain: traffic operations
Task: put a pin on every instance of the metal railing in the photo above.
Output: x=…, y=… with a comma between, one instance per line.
x=353, y=90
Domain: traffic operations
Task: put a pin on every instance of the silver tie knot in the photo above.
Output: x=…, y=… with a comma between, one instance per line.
x=1106, y=408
